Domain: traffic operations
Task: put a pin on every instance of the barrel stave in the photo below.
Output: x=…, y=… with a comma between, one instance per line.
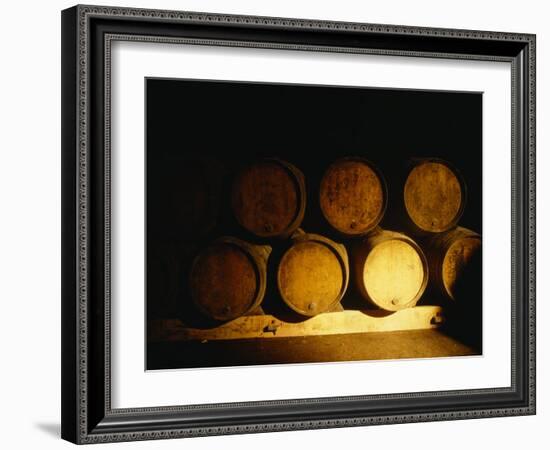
x=352, y=196
x=228, y=278
x=455, y=262
x=434, y=196
x=390, y=270
x=268, y=198
x=313, y=274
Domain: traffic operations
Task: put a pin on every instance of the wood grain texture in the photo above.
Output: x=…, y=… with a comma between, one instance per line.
x=329, y=323
x=268, y=198
x=312, y=275
x=352, y=196
x=393, y=273
x=390, y=270
x=434, y=196
x=227, y=279
x=455, y=262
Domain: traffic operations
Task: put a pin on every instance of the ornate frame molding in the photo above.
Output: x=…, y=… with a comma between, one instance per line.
x=84, y=423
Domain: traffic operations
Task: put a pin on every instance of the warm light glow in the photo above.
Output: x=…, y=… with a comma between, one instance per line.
x=310, y=276
x=393, y=273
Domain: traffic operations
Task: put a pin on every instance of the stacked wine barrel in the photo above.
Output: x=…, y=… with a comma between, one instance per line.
x=311, y=271
x=434, y=196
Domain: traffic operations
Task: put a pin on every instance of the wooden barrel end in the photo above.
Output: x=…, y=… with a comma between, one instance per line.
x=228, y=278
x=313, y=274
x=455, y=263
x=434, y=196
x=391, y=271
x=352, y=196
x=268, y=198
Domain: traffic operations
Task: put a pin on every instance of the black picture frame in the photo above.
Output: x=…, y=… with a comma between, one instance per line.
x=87, y=415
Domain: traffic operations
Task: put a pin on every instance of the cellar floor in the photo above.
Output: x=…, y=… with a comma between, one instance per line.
x=308, y=349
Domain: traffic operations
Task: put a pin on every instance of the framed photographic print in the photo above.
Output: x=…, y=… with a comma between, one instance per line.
x=277, y=224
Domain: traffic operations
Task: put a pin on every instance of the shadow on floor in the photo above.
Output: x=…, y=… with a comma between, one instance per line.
x=53, y=429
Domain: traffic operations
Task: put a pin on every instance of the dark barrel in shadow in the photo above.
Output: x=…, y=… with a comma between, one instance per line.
x=228, y=278
x=268, y=198
x=455, y=262
x=352, y=196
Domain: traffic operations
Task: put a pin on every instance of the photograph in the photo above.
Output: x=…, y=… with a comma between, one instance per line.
x=278, y=223
x=292, y=223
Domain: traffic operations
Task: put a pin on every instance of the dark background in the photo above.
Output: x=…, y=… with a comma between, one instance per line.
x=229, y=124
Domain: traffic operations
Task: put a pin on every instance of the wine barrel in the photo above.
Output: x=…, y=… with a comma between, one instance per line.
x=352, y=196
x=390, y=270
x=455, y=262
x=434, y=196
x=313, y=274
x=269, y=199
x=228, y=278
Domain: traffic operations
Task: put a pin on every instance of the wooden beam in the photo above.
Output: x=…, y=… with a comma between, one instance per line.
x=268, y=326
